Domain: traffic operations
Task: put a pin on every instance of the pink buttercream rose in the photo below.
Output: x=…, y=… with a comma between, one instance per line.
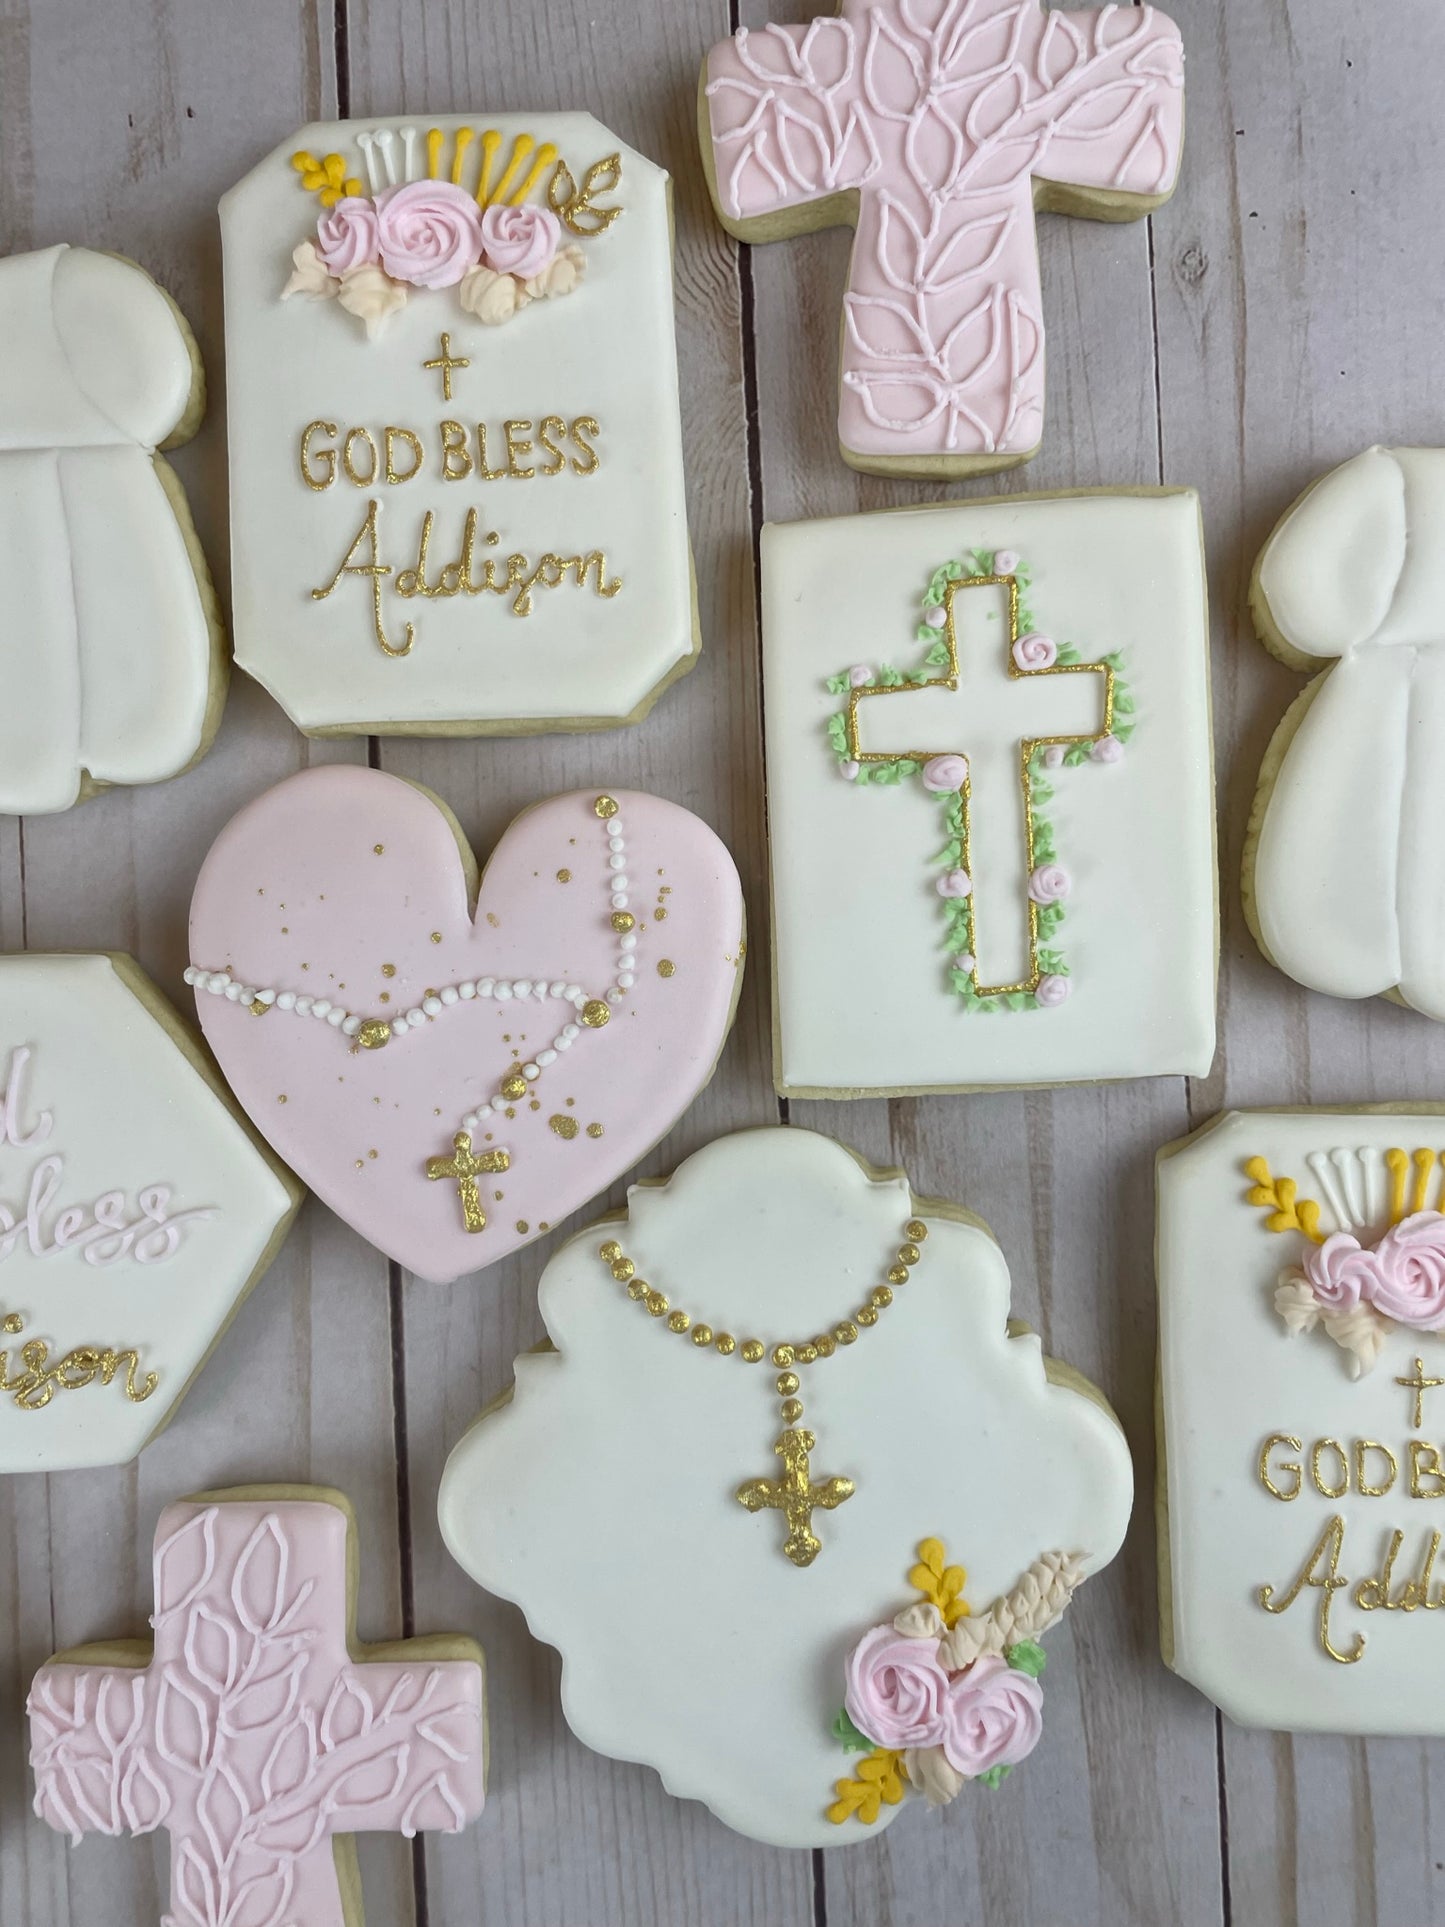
x=1340, y=1272
x=954, y=883
x=945, y=773
x=1051, y=992
x=993, y=1716
x=1036, y=652
x=1409, y=1280
x=1108, y=749
x=935, y=617
x=346, y=235
x=859, y=676
x=520, y=240
x=428, y=232
x=1054, y=756
x=1005, y=561
x=1049, y=882
x=896, y=1689
x=848, y=770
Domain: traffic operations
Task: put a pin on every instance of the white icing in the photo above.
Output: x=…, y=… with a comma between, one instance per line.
x=106, y=650
x=1347, y=867
x=1231, y=1375
x=863, y=1000
x=134, y=1208
x=608, y=353
x=609, y=1479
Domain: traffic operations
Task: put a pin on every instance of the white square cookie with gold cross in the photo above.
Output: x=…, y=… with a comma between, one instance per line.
x=1024, y=829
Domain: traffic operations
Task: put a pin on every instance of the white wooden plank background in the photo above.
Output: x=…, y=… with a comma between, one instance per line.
x=1282, y=312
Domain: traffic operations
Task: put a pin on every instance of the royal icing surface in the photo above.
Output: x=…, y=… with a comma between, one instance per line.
x=944, y=124
x=456, y=498
x=979, y=816
x=107, y=646
x=1346, y=892
x=135, y=1211
x=368, y=1020
x=619, y=1459
x=1302, y=1300
x=253, y=1736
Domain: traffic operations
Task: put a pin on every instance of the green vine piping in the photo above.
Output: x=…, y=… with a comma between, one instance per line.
x=958, y=911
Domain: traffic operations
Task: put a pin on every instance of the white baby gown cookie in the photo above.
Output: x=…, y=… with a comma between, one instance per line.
x=112, y=671
x=1343, y=874
x=643, y=1462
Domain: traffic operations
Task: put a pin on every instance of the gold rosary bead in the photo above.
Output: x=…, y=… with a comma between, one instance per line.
x=656, y=1302
x=726, y=1343
x=898, y=1274
x=792, y=1410
x=702, y=1335
x=807, y=1354
x=825, y=1345
x=915, y=1229
x=788, y=1383
x=882, y=1297
x=783, y=1354
x=678, y=1321
x=866, y=1315
x=638, y=1288
x=610, y=1252
x=753, y=1349
x=514, y=1085
x=909, y=1254
x=623, y=1269
x=845, y=1333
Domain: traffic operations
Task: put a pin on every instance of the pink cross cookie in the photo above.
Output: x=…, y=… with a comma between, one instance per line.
x=254, y=1735
x=937, y=127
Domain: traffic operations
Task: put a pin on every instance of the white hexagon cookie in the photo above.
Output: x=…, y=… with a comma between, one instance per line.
x=136, y=1211
x=785, y=1396
x=455, y=438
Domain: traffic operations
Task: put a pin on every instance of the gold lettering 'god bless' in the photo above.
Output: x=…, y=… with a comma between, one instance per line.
x=390, y=457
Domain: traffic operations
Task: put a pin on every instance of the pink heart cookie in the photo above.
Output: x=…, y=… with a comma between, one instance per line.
x=453, y=1084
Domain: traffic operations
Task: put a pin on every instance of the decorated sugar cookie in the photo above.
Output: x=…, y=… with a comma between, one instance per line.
x=786, y=1385
x=990, y=794
x=1341, y=874
x=452, y=1066
x=136, y=1211
x=1302, y=1361
x=115, y=664
x=937, y=130
x=456, y=462
x=253, y=1728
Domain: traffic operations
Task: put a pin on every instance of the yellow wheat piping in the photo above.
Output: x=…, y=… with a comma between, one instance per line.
x=1280, y=1197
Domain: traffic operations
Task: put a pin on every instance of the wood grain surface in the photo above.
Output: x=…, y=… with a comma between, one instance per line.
x=1282, y=312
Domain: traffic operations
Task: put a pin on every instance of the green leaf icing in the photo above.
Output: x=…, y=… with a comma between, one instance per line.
x=995, y=1776
x=1027, y=1656
x=851, y=1738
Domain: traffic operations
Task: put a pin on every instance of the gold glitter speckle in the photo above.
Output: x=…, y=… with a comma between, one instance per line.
x=377, y=849
x=388, y=970
x=564, y=876
x=282, y=1098
x=522, y=1225
x=666, y=967
x=659, y=914
x=564, y=1126
x=436, y=936
x=14, y=1323
x=594, y=1130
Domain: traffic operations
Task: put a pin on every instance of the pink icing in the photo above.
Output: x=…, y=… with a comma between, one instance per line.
x=948, y=772
x=944, y=118
x=1051, y=992
x=1005, y=561
x=1054, y=756
x=428, y=233
x=993, y=1716
x=955, y=883
x=897, y=1689
x=519, y=240
x=1409, y=1282
x=253, y=1736
x=1340, y=1272
x=1049, y=882
x=859, y=676
x=311, y=845
x=1106, y=749
x=346, y=235
x=1035, y=652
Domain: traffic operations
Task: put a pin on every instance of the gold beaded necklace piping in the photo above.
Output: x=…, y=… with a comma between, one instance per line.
x=795, y=1493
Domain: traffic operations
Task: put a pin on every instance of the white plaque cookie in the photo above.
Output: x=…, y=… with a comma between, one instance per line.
x=136, y=1211
x=990, y=795
x=1302, y=1362
x=785, y=1377
x=456, y=463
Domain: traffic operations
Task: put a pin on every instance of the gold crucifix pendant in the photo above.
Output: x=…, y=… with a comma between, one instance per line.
x=796, y=1495
x=465, y=1166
